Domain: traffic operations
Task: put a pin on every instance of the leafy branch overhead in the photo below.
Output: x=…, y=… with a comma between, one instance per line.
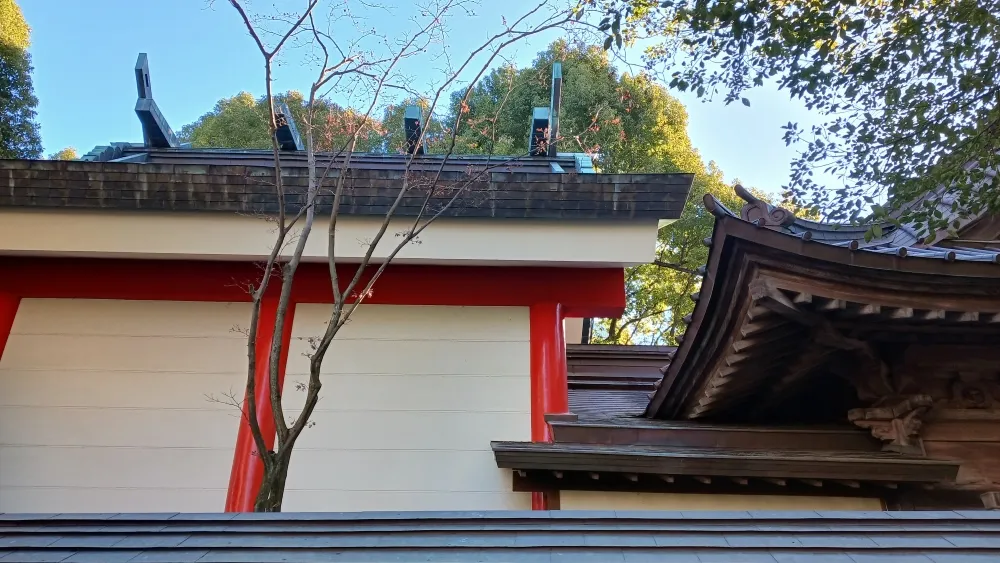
x=907, y=90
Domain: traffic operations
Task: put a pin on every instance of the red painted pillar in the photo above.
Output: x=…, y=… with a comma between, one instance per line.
x=549, y=388
x=8, y=310
x=248, y=470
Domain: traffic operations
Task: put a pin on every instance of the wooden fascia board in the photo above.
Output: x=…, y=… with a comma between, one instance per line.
x=724, y=463
x=696, y=435
x=692, y=345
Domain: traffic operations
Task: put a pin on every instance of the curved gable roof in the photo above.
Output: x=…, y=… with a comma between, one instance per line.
x=773, y=280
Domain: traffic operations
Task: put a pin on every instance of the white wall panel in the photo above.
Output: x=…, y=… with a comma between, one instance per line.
x=412, y=397
x=103, y=405
x=202, y=235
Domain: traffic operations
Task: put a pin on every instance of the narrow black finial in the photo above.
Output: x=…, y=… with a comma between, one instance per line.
x=156, y=132
x=554, y=106
x=412, y=129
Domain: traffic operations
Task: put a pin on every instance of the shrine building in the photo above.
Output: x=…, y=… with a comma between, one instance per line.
x=820, y=370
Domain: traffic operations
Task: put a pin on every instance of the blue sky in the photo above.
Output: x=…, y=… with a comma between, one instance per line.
x=199, y=52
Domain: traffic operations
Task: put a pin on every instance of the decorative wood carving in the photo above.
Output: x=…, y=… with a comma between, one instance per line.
x=972, y=394
x=896, y=421
x=761, y=213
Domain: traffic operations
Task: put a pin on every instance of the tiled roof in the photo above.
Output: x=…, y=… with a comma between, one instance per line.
x=900, y=240
x=832, y=274
x=550, y=537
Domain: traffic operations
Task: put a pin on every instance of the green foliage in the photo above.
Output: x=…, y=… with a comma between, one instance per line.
x=908, y=88
x=629, y=124
x=19, y=136
x=14, y=31
x=242, y=122
x=68, y=153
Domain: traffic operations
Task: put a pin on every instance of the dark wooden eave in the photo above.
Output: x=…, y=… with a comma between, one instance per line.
x=491, y=189
x=709, y=463
x=770, y=293
x=623, y=431
x=635, y=454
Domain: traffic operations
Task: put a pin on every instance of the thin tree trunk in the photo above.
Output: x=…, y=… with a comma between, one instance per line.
x=272, y=489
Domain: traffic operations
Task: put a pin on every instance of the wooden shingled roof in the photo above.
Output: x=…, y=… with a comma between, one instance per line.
x=781, y=296
x=613, y=381
x=535, y=537
x=242, y=181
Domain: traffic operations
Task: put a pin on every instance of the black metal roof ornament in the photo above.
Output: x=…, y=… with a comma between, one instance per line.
x=554, y=106
x=156, y=132
x=412, y=129
x=538, y=135
x=544, y=130
x=285, y=132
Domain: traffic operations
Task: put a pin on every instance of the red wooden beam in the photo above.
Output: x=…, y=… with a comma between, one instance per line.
x=549, y=387
x=582, y=292
x=551, y=293
x=8, y=310
x=248, y=471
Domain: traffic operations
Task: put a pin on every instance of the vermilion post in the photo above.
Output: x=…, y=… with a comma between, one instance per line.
x=549, y=388
x=248, y=470
x=8, y=310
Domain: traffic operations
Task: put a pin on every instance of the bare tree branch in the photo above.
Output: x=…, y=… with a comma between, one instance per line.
x=676, y=267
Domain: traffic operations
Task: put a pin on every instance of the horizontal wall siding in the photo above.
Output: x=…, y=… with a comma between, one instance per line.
x=104, y=408
x=599, y=500
x=412, y=397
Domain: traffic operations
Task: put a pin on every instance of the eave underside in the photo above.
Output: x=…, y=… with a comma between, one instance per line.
x=679, y=469
x=773, y=311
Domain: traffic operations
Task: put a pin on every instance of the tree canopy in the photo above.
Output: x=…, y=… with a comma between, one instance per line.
x=68, y=153
x=19, y=135
x=908, y=90
x=630, y=124
x=242, y=122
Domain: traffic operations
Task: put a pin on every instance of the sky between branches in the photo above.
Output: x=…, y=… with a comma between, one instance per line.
x=83, y=53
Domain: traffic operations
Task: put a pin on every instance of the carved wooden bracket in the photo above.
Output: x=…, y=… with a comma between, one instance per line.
x=762, y=213
x=897, y=422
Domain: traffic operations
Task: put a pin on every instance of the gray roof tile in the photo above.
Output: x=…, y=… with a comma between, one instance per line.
x=513, y=537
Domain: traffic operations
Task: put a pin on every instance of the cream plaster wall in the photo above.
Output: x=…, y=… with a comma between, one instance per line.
x=573, y=330
x=103, y=405
x=229, y=236
x=411, y=398
x=599, y=500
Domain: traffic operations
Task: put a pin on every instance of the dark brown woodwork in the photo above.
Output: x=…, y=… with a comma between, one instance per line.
x=534, y=481
x=874, y=467
x=991, y=500
x=979, y=469
x=798, y=321
x=896, y=422
x=641, y=432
